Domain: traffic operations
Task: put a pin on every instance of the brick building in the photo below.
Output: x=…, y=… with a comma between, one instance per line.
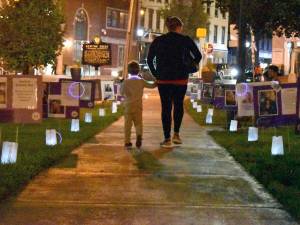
x=84, y=19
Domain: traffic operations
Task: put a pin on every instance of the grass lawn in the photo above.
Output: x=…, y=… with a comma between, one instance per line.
x=34, y=156
x=279, y=174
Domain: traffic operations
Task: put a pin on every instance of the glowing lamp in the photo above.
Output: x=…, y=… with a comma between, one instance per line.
x=75, y=125
x=9, y=152
x=88, y=117
x=233, y=125
x=192, y=100
x=277, y=145
x=101, y=112
x=252, y=134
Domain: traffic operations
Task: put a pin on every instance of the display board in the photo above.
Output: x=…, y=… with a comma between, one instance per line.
x=21, y=99
x=274, y=107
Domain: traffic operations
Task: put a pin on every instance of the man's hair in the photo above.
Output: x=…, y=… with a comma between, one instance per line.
x=274, y=68
x=133, y=67
x=172, y=22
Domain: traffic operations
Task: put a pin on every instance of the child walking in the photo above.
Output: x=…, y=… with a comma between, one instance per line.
x=132, y=89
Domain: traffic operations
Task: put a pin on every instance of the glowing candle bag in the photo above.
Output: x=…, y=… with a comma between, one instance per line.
x=101, y=112
x=252, y=134
x=9, y=152
x=199, y=108
x=277, y=145
x=211, y=112
x=233, y=125
x=75, y=125
x=209, y=118
x=51, y=138
x=195, y=104
x=88, y=118
x=114, y=107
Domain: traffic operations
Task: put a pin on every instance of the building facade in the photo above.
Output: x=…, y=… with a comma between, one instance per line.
x=217, y=33
x=85, y=19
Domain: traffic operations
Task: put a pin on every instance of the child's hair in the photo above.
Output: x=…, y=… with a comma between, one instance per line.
x=172, y=22
x=133, y=67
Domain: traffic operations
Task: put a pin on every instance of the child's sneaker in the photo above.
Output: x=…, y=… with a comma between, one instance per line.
x=176, y=139
x=138, y=143
x=166, y=144
x=128, y=146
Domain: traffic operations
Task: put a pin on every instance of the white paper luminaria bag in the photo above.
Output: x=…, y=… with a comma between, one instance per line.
x=233, y=125
x=75, y=125
x=277, y=145
x=9, y=152
x=252, y=134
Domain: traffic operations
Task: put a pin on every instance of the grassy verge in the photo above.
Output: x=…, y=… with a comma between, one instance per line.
x=279, y=174
x=34, y=156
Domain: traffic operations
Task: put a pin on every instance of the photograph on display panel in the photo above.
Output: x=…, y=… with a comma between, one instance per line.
x=56, y=109
x=3, y=93
x=219, y=91
x=107, y=90
x=230, y=99
x=267, y=102
x=207, y=91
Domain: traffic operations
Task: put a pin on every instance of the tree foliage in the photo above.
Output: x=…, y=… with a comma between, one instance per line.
x=30, y=33
x=190, y=11
x=280, y=17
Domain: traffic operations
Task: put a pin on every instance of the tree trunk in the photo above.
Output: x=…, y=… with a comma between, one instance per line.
x=25, y=69
x=241, y=47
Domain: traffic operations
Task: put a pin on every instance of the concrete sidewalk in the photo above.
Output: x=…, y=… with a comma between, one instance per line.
x=101, y=183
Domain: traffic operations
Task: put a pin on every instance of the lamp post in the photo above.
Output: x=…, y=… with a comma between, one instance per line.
x=129, y=34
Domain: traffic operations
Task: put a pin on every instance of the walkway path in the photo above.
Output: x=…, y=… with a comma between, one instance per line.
x=101, y=183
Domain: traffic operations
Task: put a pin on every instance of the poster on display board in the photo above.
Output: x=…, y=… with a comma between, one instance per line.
x=224, y=97
x=207, y=92
x=107, y=90
x=21, y=99
x=275, y=107
x=63, y=100
x=244, y=97
x=83, y=90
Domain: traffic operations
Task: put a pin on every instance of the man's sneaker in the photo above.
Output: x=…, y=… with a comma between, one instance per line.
x=166, y=144
x=176, y=139
x=128, y=146
x=138, y=143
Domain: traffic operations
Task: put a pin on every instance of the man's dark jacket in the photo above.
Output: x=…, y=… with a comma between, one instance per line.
x=167, y=55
